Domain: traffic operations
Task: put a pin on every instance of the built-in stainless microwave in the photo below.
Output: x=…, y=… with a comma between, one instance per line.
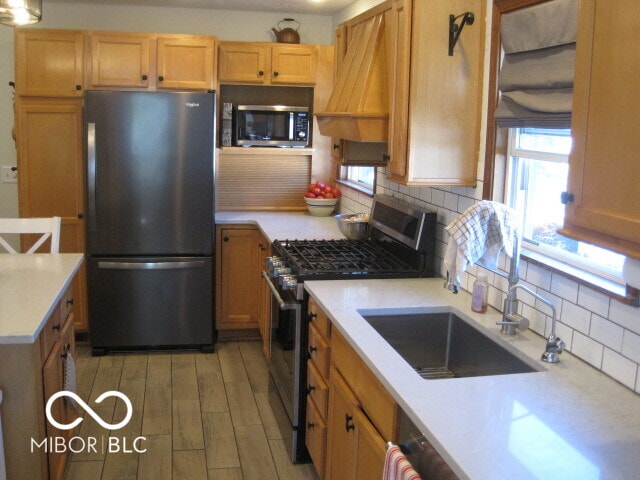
x=270, y=126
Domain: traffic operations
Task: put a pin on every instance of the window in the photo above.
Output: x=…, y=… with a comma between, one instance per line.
x=537, y=176
x=361, y=177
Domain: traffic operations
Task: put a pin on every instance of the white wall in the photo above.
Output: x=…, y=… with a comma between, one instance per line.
x=226, y=25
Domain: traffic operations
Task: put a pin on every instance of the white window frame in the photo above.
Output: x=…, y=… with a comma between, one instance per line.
x=347, y=179
x=557, y=254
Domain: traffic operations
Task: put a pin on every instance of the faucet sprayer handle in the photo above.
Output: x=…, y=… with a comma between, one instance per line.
x=518, y=321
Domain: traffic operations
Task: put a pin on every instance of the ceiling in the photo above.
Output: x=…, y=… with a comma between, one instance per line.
x=313, y=7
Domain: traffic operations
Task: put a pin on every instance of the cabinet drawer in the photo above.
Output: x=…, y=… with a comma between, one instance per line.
x=50, y=334
x=318, y=351
x=316, y=436
x=319, y=319
x=376, y=402
x=66, y=304
x=317, y=389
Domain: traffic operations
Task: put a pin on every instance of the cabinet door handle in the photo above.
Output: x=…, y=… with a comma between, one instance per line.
x=260, y=73
x=386, y=157
x=310, y=388
x=81, y=216
x=225, y=239
x=57, y=327
x=78, y=87
x=70, y=302
x=275, y=74
x=348, y=425
x=336, y=146
x=311, y=425
x=312, y=316
x=144, y=77
x=312, y=349
x=160, y=78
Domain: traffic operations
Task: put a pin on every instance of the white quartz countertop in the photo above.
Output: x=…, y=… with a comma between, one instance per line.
x=30, y=288
x=568, y=421
x=285, y=225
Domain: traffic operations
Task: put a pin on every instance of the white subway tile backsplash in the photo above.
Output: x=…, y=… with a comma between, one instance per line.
x=564, y=287
x=604, y=332
x=622, y=369
x=631, y=346
x=587, y=349
x=576, y=317
x=594, y=301
x=626, y=316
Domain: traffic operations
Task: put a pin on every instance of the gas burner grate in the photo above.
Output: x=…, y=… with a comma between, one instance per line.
x=340, y=256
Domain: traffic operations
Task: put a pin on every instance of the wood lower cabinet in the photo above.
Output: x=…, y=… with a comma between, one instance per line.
x=150, y=61
x=49, y=63
x=349, y=412
x=264, y=308
x=238, y=279
x=267, y=64
x=36, y=372
x=603, y=165
x=51, y=175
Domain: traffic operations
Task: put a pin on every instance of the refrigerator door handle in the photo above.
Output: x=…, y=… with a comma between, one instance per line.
x=91, y=175
x=151, y=265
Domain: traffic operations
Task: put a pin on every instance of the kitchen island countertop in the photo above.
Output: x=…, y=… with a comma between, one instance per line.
x=30, y=288
x=568, y=421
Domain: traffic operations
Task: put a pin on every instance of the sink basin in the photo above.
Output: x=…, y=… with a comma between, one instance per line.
x=443, y=345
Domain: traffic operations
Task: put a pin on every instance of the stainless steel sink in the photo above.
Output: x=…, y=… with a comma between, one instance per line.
x=443, y=345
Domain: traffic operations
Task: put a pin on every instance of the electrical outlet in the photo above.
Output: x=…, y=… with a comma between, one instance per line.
x=9, y=175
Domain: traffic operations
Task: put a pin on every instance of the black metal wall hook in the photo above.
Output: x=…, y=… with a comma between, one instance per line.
x=455, y=30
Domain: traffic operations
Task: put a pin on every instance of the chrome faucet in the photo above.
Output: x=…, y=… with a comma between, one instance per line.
x=512, y=320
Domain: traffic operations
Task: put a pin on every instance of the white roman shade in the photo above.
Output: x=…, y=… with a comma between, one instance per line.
x=536, y=75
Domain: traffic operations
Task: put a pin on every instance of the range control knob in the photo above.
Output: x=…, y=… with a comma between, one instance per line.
x=281, y=271
x=272, y=261
x=289, y=282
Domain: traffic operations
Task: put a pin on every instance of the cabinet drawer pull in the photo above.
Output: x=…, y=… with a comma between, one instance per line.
x=310, y=389
x=275, y=74
x=348, y=425
x=312, y=349
x=70, y=302
x=312, y=316
x=57, y=327
x=260, y=73
x=311, y=425
x=160, y=78
x=144, y=77
x=78, y=87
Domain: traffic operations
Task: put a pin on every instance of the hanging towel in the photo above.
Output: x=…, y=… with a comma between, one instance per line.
x=479, y=233
x=70, y=381
x=397, y=467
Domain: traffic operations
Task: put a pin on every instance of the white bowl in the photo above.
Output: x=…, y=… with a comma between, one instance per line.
x=321, y=207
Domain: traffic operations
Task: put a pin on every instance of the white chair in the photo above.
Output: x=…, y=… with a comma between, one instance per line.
x=48, y=227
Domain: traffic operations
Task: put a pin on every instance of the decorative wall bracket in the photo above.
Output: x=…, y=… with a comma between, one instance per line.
x=455, y=30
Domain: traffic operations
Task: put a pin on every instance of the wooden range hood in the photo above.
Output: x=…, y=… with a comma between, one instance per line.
x=358, y=108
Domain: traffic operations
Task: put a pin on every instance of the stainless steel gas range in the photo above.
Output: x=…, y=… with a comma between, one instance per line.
x=402, y=245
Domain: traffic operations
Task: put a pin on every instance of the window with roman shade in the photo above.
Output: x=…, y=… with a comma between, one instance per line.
x=536, y=75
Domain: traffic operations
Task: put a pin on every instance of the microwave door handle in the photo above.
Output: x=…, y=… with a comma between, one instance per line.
x=291, y=123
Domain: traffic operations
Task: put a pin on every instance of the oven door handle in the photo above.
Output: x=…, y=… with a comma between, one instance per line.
x=283, y=305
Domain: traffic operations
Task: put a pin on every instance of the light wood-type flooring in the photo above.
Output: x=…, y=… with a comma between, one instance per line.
x=204, y=416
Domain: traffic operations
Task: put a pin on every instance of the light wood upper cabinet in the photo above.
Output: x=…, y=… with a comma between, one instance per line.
x=119, y=60
x=147, y=61
x=603, y=165
x=436, y=99
x=267, y=64
x=49, y=63
x=186, y=63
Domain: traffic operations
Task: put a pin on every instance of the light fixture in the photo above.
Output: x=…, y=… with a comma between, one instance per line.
x=20, y=12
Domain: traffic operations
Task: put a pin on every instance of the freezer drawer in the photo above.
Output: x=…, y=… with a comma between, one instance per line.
x=151, y=302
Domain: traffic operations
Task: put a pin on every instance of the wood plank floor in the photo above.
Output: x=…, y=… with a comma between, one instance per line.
x=204, y=416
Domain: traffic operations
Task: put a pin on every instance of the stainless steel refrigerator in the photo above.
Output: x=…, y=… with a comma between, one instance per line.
x=150, y=227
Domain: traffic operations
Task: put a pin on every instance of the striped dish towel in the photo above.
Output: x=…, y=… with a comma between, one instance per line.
x=480, y=233
x=397, y=467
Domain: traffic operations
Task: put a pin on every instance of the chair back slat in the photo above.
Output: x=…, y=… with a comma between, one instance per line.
x=47, y=227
